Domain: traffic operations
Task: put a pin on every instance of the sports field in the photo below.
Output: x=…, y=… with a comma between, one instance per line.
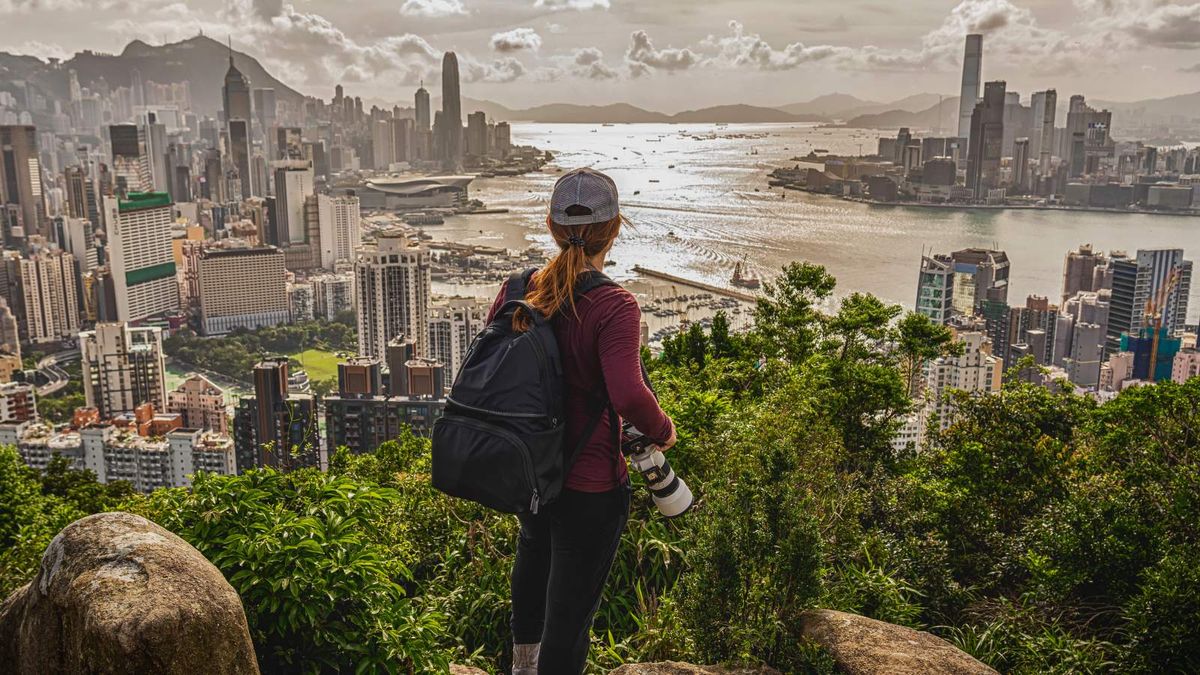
x=318, y=363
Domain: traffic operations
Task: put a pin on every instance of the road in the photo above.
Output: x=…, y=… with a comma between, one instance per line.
x=51, y=367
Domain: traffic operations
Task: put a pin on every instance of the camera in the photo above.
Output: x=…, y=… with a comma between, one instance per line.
x=670, y=494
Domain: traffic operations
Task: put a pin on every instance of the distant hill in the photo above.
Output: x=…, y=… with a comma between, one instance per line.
x=927, y=119
x=741, y=113
x=624, y=113
x=845, y=106
x=1182, y=105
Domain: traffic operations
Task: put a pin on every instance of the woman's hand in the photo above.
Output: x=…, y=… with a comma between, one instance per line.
x=669, y=443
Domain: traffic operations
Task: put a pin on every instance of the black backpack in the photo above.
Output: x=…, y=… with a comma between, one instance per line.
x=502, y=439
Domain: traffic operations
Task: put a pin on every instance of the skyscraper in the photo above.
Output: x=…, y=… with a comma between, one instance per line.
x=1044, y=104
x=47, y=293
x=1139, y=280
x=1020, y=165
x=986, y=142
x=21, y=176
x=131, y=158
x=236, y=98
x=422, y=106
x=141, y=258
x=341, y=228
x=451, y=115
x=971, y=77
x=1079, y=271
x=241, y=288
x=477, y=134
x=293, y=184
x=392, y=282
x=382, y=145
x=123, y=367
x=288, y=143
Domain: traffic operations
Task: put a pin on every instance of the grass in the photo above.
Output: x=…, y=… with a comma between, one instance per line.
x=318, y=363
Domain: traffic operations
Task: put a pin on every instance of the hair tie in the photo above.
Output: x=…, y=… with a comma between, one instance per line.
x=576, y=240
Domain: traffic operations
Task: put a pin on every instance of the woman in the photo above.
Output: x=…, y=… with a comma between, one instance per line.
x=565, y=551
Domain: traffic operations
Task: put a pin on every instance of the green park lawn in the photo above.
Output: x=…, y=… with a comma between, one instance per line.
x=318, y=363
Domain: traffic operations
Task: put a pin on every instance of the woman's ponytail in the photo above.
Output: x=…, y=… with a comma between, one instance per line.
x=553, y=287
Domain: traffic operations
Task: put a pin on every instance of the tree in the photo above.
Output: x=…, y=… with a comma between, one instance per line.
x=787, y=316
x=920, y=341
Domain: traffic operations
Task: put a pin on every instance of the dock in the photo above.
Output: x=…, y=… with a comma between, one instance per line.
x=738, y=295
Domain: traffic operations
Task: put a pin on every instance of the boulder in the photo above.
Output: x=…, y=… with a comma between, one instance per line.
x=456, y=669
x=118, y=594
x=676, y=668
x=862, y=646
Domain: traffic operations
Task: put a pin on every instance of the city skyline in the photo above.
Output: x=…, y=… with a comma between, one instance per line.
x=663, y=57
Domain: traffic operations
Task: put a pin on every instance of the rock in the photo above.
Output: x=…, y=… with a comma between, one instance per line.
x=456, y=669
x=676, y=668
x=118, y=594
x=863, y=646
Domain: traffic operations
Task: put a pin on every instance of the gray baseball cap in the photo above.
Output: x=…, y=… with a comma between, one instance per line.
x=582, y=197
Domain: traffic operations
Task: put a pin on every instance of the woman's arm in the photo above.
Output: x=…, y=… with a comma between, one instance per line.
x=620, y=361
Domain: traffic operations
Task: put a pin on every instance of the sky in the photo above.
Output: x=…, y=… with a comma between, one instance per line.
x=666, y=55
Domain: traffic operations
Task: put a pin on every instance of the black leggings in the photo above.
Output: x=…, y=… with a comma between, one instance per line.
x=563, y=558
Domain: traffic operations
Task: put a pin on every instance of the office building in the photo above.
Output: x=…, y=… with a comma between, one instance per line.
x=131, y=166
x=421, y=103
x=46, y=295
x=341, y=228
x=971, y=77
x=21, y=177
x=403, y=139
x=453, y=325
x=1044, y=105
x=123, y=367
x=392, y=285
x=293, y=185
x=382, y=145
x=477, y=134
x=935, y=288
x=141, y=257
x=83, y=201
x=1021, y=175
x=288, y=144
x=200, y=403
x=957, y=283
x=986, y=144
x=451, y=121
x=1161, y=276
x=276, y=428
x=243, y=287
x=239, y=153
x=503, y=139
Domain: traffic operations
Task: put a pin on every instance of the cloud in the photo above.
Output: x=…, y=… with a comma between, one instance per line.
x=578, y=5
x=42, y=50
x=588, y=62
x=1191, y=69
x=749, y=49
x=556, y=28
x=432, y=8
x=516, y=40
x=642, y=57
x=505, y=69
x=1171, y=26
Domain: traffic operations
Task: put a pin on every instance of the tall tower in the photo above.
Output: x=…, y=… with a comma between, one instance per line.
x=986, y=141
x=451, y=115
x=971, y=74
x=21, y=177
x=422, y=105
x=236, y=97
x=140, y=254
x=392, y=281
x=1044, y=107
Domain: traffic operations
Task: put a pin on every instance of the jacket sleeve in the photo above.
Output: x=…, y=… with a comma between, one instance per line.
x=620, y=361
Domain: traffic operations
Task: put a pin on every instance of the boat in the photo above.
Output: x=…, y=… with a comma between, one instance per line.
x=671, y=166
x=743, y=277
x=653, y=180
x=637, y=192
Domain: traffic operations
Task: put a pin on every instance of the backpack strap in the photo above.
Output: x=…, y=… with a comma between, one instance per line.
x=518, y=284
x=590, y=280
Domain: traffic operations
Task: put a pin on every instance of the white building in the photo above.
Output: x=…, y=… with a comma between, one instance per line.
x=332, y=294
x=48, y=284
x=453, y=324
x=140, y=254
x=392, y=287
x=242, y=288
x=1186, y=366
x=123, y=367
x=293, y=184
x=341, y=228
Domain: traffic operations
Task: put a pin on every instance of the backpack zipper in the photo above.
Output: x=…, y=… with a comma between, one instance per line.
x=522, y=450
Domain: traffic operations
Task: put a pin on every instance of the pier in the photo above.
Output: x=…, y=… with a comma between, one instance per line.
x=655, y=274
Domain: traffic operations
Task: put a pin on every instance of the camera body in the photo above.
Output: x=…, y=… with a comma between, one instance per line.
x=670, y=494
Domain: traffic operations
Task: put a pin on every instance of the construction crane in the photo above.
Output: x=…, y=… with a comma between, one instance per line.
x=1155, y=311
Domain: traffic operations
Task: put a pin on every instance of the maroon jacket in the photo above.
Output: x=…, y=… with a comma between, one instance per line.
x=603, y=344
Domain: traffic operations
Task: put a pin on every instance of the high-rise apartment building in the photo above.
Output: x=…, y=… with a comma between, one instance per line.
x=141, y=258
x=392, y=285
x=293, y=184
x=1083, y=271
x=1141, y=279
x=276, y=428
x=21, y=176
x=383, y=147
x=451, y=126
x=241, y=288
x=971, y=77
x=201, y=403
x=453, y=325
x=123, y=367
x=341, y=228
x=986, y=144
x=361, y=416
x=47, y=294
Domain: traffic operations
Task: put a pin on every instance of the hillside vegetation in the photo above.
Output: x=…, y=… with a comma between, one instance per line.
x=1040, y=533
